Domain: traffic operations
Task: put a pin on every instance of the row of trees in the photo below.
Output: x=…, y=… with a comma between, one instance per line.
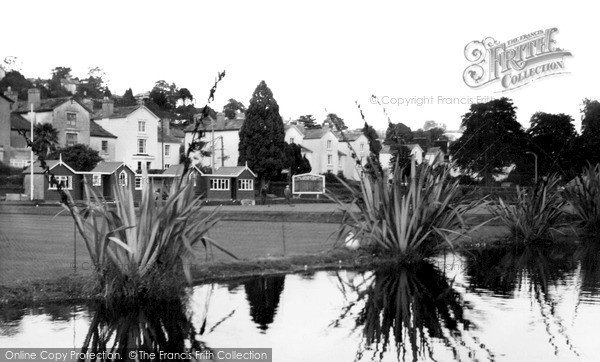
x=493, y=139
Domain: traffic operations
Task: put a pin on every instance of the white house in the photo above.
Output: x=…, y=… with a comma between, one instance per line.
x=103, y=141
x=169, y=146
x=225, y=133
x=352, y=142
x=136, y=128
x=385, y=155
x=324, y=147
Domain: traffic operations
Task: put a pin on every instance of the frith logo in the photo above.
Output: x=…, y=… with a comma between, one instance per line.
x=514, y=63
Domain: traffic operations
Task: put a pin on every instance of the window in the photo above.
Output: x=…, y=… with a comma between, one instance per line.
x=330, y=159
x=167, y=166
x=167, y=150
x=71, y=120
x=148, y=164
x=71, y=139
x=362, y=146
x=138, y=182
x=328, y=144
x=64, y=181
x=139, y=166
x=142, y=126
x=96, y=180
x=292, y=140
x=104, y=148
x=123, y=179
x=141, y=145
x=245, y=185
x=219, y=184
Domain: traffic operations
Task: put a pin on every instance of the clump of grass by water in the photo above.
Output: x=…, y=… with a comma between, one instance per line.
x=411, y=218
x=583, y=195
x=535, y=213
x=148, y=253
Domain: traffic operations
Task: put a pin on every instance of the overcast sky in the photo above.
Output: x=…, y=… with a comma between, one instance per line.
x=316, y=56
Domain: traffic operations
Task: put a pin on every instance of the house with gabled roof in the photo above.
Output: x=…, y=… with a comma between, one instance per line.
x=136, y=130
x=43, y=189
x=226, y=135
x=353, y=149
x=324, y=145
x=106, y=175
x=228, y=183
x=68, y=115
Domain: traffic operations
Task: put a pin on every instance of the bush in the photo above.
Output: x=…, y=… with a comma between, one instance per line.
x=146, y=255
x=583, y=194
x=535, y=213
x=411, y=219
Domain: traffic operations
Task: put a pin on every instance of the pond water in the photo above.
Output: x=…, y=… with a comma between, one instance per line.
x=500, y=304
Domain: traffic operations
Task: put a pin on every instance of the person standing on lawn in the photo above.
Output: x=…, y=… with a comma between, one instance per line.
x=263, y=193
x=288, y=195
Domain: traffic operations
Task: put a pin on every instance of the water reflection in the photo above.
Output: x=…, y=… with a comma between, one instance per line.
x=409, y=308
x=151, y=326
x=263, y=295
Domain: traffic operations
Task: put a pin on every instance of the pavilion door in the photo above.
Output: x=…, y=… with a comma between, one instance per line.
x=234, y=189
x=106, y=186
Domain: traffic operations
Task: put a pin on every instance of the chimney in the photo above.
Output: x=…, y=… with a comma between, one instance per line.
x=108, y=107
x=14, y=95
x=165, y=125
x=33, y=97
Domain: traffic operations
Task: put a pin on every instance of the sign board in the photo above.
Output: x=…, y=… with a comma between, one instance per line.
x=308, y=183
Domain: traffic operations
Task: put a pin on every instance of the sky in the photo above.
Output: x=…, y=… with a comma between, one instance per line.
x=317, y=57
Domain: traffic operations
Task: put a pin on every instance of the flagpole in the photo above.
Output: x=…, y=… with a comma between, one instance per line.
x=31, y=163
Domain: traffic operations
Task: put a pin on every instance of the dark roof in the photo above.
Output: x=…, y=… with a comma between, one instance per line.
x=348, y=135
x=97, y=131
x=305, y=149
x=314, y=134
x=8, y=99
x=233, y=171
x=118, y=112
x=177, y=170
x=220, y=125
x=107, y=167
x=46, y=105
x=168, y=138
x=176, y=132
x=340, y=153
x=18, y=122
x=50, y=163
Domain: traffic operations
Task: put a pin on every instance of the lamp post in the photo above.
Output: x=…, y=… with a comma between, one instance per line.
x=536, y=167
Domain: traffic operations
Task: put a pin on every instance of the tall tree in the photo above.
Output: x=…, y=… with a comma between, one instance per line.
x=262, y=135
x=552, y=137
x=398, y=133
x=45, y=138
x=17, y=82
x=55, y=88
x=294, y=160
x=128, y=99
x=493, y=139
x=308, y=121
x=335, y=122
x=232, y=107
x=588, y=144
x=79, y=156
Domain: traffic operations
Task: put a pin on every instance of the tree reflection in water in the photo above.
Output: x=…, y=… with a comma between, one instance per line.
x=411, y=307
x=263, y=295
x=149, y=325
x=539, y=271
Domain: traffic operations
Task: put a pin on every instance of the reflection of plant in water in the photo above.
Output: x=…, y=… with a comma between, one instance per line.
x=415, y=306
x=506, y=270
x=263, y=295
x=589, y=258
x=150, y=325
